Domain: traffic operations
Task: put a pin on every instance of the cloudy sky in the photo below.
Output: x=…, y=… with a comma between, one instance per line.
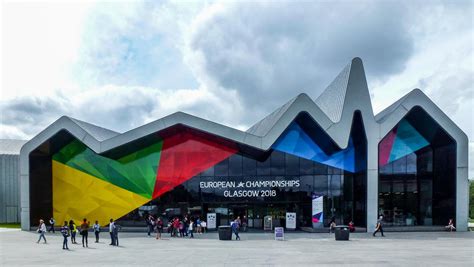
x=123, y=64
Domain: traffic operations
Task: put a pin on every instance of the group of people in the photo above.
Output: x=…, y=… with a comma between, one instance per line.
x=351, y=226
x=69, y=229
x=332, y=225
x=184, y=227
x=176, y=227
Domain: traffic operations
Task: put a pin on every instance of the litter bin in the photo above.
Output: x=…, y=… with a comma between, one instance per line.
x=342, y=232
x=225, y=232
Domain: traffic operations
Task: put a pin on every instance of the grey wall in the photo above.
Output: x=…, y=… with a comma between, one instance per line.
x=9, y=189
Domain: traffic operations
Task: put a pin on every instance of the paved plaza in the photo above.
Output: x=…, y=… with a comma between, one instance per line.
x=299, y=249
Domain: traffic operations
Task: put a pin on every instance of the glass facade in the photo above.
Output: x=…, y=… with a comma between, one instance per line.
x=272, y=183
x=184, y=171
x=278, y=184
x=417, y=173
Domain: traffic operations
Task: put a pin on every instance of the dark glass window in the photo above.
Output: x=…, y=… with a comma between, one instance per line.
x=320, y=168
x=321, y=184
x=306, y=167
x=222, y=168
x=263, y=167
x=278, y=163
x=306, y=184
x=249, y=166
x=335, y=185
x=400, y=165
x=419, y=188
x=292, y=165
x=235, y=165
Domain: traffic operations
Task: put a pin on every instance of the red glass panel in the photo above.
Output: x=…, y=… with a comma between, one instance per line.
x=184, y=155
x=385, y=147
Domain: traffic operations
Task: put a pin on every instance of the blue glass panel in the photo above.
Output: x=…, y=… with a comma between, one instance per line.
x=296, y=142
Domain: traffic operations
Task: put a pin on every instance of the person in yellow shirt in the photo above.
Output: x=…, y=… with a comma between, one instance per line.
x=73, y=229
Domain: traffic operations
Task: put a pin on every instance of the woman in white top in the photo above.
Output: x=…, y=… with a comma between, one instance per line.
x=41, y=231
x=191, y=229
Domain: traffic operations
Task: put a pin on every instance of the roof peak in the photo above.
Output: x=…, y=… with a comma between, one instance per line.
x=352, y=78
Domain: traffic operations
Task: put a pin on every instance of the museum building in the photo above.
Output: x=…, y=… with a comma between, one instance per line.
x=317, y=160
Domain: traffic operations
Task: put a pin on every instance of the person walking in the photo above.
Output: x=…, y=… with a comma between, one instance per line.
x=41, y=230
x=379, y=226
x=159, y=227
x=115, y=232
x=96, y=228
x=111, y=232
x=175, y=228
x=235, y=229
x=238, y=221
x=73, y=230
x=150, y=222
x=198, y=226
x=181, y=228
x=51, y=223
x=85, y=232
x=244, y=224
x=203, y=226
x=65, y=232
x=332, y=225
x=191, y=230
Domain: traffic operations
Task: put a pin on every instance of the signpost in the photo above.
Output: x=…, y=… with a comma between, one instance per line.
x=279, y=233
x=211, y=221
x=291, y=220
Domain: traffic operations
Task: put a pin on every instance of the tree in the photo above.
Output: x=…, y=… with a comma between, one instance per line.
x=471, y=199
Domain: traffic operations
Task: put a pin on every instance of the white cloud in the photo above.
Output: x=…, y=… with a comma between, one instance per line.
x=39, y=44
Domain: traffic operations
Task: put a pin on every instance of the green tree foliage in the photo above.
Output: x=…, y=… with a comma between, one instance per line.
x=471, y=199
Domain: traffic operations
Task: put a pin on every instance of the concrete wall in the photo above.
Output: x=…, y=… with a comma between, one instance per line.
x=9, y=189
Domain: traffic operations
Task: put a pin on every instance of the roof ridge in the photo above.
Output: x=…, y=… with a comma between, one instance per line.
x=100, y=133
x=262, y=126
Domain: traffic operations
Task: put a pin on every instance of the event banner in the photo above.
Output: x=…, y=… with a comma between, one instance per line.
x=317, y=211
x=250, y=187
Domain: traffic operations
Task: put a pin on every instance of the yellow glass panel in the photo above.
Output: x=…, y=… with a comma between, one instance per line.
x=78, y=195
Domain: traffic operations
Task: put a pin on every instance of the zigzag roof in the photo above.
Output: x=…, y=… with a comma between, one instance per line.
x=332, y=110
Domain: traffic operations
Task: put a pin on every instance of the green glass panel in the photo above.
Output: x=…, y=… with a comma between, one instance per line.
x=135, y=172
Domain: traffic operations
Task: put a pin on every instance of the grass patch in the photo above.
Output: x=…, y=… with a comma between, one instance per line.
x=10, y=225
